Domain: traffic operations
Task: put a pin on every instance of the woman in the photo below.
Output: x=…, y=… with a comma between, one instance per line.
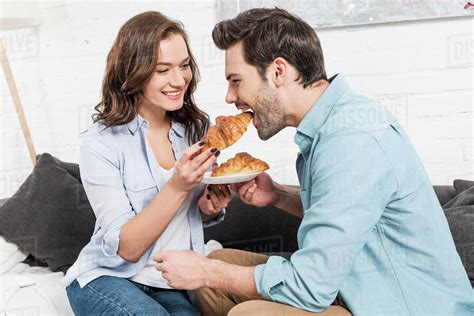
x=142, y=175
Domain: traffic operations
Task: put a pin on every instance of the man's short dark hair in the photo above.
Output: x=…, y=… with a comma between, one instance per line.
x=267, y=34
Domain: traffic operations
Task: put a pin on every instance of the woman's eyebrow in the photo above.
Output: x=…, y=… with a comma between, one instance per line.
x=169, y=64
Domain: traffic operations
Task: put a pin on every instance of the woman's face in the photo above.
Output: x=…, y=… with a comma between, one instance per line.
x=171, y=78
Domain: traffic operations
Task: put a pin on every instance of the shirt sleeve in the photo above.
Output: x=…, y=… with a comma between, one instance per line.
x=100, y=175
x=216, y=220
x=219, y=218
x=352, y=181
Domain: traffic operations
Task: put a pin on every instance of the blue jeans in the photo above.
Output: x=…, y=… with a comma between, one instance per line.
x=109, y=295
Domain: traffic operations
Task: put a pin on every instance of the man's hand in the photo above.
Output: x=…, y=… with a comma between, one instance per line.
x=183, y=270
x=259, y=192
x=188, y=270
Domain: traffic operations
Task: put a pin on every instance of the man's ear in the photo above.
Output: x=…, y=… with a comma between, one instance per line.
x=279, y=71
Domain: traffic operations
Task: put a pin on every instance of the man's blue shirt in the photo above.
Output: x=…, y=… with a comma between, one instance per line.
x=373, y=230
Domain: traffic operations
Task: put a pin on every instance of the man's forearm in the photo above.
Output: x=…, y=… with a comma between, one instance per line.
x=240, y=281
x=289, y=199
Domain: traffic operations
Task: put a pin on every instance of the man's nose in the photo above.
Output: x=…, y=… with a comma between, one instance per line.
x=231, y=96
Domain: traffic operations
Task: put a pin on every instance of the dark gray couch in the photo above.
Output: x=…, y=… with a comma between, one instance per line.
x=267, y=230
x=270, y=230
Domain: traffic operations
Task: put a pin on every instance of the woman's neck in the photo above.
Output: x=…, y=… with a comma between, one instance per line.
x=156, y=118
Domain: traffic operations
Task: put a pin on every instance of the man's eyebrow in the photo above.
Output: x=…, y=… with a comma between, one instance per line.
x=169, y=64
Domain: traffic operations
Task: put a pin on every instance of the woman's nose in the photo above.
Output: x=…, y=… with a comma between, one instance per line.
x=177, y=79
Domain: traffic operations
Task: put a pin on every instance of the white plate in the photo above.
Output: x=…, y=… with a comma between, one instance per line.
x=229, y=179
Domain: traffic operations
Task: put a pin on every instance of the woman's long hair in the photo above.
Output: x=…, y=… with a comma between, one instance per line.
x=131, y=63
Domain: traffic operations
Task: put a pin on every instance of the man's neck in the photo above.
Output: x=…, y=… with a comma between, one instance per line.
x=303, y=100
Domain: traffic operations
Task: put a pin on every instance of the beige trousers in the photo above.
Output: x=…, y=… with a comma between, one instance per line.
x=217, y=303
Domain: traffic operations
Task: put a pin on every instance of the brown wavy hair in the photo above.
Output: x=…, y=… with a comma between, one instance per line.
x=130, y=65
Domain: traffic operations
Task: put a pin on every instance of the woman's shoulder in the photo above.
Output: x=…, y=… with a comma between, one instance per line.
x=98, y=129
x=98, y=133
x=101, y=142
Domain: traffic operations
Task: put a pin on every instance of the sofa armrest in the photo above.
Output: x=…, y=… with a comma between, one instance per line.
x=266, y=230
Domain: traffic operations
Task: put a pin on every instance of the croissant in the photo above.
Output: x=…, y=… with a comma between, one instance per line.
x=227, y=131
x=242, y=163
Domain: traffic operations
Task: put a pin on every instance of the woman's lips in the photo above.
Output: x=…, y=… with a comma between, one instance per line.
x=173, y=95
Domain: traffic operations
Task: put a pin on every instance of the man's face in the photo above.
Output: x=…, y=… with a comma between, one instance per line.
x=248, y=91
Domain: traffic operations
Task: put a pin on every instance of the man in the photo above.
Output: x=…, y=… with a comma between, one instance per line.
x=373, y=237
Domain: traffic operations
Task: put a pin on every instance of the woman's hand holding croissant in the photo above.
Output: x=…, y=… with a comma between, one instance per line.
x=190, y=168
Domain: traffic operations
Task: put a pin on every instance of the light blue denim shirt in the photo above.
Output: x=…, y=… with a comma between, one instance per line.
x=121, y=176
x=373, y=230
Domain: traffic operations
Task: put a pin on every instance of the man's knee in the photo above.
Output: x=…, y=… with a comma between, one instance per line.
x=244, y=309
x=220, y=253
x=262, y=308
x=203, y=295
x=238, y=257
x=212, y=302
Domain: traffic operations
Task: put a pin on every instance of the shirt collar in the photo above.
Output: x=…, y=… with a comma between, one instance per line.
x=178, y=129
x=138, y=122
x=320, y=111
x=134, y=125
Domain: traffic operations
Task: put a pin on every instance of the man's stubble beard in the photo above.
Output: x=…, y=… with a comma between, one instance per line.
x=270, y=113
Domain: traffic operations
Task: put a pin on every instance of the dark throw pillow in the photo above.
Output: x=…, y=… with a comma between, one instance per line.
x=460, y=214
x=49, y=216
x=462, y=185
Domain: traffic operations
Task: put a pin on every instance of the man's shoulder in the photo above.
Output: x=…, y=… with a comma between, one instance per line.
x=355, y=112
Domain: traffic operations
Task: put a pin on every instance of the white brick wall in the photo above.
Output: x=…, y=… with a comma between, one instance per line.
x=422, y=71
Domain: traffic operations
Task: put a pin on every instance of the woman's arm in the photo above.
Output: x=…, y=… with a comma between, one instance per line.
x=140, y=232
